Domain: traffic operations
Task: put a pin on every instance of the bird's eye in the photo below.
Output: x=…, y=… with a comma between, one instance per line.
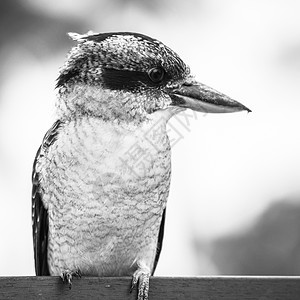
x=156, y=74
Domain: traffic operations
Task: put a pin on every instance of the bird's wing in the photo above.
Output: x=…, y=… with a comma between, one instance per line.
x=160, y=240
x=39, y=212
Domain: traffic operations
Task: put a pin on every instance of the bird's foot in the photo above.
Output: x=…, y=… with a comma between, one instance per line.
x=141, y=276
x=67, y=276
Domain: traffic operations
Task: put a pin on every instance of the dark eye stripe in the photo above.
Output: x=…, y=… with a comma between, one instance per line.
x=65, y=77
x=128, y=80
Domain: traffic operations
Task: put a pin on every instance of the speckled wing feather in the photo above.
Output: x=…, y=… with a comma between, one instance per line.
x=39, y=212
x=160, y=240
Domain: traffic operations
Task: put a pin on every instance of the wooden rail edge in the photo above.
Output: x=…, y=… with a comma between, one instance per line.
x=117, y=288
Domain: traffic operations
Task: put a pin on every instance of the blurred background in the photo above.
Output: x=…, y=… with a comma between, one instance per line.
x=234, y=205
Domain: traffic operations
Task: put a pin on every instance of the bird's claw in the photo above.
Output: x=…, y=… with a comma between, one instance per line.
x=142, y=278
x=77, y=273
x=67, y=276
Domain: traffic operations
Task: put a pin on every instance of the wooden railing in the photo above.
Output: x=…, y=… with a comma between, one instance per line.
x=162, y=288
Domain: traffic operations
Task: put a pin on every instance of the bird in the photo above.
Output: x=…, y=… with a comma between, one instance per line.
x=101, y=176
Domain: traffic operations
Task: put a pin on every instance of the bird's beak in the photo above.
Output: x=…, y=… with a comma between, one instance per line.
x=199, y=97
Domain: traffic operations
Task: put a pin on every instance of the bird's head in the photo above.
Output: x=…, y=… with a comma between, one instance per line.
x=123, y=76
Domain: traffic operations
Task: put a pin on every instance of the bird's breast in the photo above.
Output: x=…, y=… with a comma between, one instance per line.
x=105, y=188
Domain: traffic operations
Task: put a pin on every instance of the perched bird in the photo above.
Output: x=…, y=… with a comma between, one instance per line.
x=101, y=177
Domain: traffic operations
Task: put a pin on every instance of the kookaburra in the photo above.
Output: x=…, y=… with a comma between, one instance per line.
x=101, y=177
